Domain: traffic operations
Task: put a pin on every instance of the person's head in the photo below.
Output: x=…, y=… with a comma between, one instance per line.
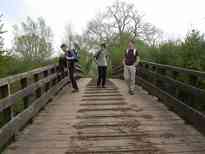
x=131, y=44
x=64, y=47
x=103, y=45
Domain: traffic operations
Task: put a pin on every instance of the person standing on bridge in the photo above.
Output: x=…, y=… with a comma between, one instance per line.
x=70, y=57
x=101, y=59
x=130, y=61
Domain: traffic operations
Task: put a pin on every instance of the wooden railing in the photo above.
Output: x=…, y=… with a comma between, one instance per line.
x=182, y=90
x=117, y=72
x=22, y=96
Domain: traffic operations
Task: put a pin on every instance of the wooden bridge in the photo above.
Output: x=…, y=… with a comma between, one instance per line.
x=39, y=114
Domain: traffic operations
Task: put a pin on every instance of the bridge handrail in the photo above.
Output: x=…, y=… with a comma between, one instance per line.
x=182, y=90
x=177, y=69
x=23, y=95
x=195, y=76
x=19, y=76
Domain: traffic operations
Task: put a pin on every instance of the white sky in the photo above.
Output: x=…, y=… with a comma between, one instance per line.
x=173, y=17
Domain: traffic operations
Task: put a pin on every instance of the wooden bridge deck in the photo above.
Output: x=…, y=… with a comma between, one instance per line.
x=107, y=121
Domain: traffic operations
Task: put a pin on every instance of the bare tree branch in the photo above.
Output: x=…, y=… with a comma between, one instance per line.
x=120, y=18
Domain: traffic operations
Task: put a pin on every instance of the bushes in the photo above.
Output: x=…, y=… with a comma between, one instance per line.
x=167, y=53
x=193, y=51
x=10, y=65
x=189, y=53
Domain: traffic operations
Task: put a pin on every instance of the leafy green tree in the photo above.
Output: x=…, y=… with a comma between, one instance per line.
x=166, y=53
x=188, y=53
x=193, y=48
x=2, y=31
x=33, y=40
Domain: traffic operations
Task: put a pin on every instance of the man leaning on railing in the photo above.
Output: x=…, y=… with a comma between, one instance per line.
x=70, y=57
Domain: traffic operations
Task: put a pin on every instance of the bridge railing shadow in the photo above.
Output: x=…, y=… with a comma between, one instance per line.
x=181, y=90
x=22, y=96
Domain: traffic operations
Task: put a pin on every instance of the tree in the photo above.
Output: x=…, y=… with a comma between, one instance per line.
x=69, y=35
x=120, y=18
x=70, y=38
x=117, y=24
x=33, y=40
x=1, y=37
x=193, y=51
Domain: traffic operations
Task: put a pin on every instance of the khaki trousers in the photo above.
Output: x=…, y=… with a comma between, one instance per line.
x=129, y=76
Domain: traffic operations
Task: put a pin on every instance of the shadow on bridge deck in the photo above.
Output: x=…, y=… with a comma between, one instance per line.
x=107, y=121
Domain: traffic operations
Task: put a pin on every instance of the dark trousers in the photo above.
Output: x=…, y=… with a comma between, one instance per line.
x=63, y=63
x=72, y=78
x=102, y=73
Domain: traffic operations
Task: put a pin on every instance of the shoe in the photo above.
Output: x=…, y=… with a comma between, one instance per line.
x=75, y=90
x=131, y=93
x=103, y=86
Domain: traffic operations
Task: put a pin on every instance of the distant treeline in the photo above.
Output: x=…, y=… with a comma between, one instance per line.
x=33, y=46
x=188, y=53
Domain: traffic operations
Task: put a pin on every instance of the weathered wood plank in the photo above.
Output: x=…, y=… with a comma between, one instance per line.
x=191, y=115
x=10, y=100
x=147, y=129
x=9, y=130
x=24, y=75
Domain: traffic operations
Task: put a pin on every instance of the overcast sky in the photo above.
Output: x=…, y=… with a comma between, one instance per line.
x=173, y=17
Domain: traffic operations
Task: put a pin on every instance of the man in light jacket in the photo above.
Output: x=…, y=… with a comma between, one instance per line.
x=101, y=59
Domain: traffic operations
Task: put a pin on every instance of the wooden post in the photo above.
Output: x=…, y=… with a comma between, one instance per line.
x=176, y=90
x=161, y=84
x=191, y=99
x=154, y=80
x=54, y=80
x=45, y=73
x=24, y=84
x=58, y=73
x=36, y=77
x=47, y=85
x=38, y=91
x=4, y=91
x=193, y=80
x=164, y=84
x=7, y=113
x=146, y=67
x=143, y=71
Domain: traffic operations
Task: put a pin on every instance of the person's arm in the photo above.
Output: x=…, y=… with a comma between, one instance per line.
x=95, y=55
x=108, y=57
x=69, y=57
x=123, y=60
x=137, y=59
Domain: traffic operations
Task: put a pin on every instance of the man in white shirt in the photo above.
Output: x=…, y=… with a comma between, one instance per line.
x=101, y=58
